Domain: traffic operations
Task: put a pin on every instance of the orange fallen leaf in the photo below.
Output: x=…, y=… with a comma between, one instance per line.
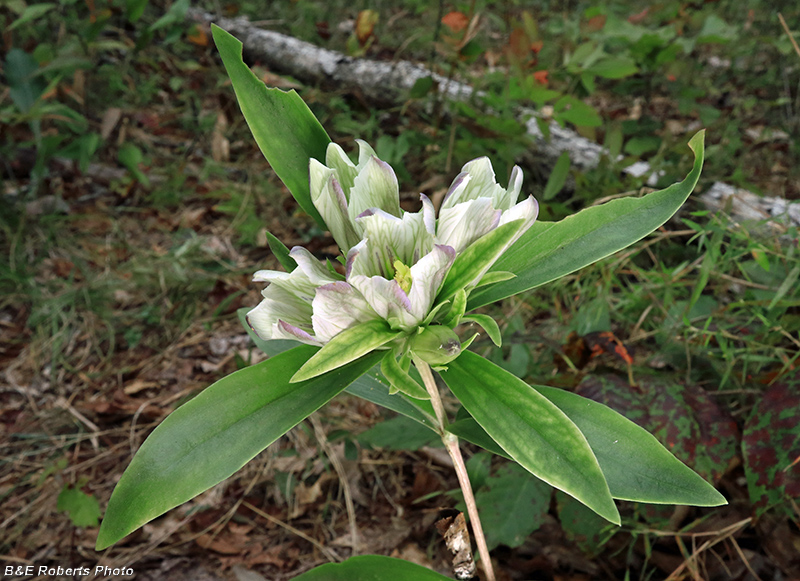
x=197, y=35
x=455, y=21
x=541, y=77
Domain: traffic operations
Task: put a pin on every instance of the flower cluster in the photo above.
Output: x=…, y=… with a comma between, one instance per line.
x=396, y=261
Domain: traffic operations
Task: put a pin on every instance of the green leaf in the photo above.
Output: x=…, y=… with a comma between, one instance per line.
x=32, y=13
x=456, y=309
x=283, y=126
x=512, y=505
x=421, y=88
x=614, y=68
x=575, y=111
x=372, y=387
x=175, y=14
x=636, y=466
x=131, y=156
x=371, y=568
x=495, y=277
x=532, y=430
x=24, y=86
x=399, y=379
x=347, y=346
x=489, y=325
x=471, y=431
x=213, y=435
x=787, y=284
x=399, y=433
x=134, y=9
x=550, y=250
x=470, y=263
x=281, y=252
x=558, y=177
x=83, y=509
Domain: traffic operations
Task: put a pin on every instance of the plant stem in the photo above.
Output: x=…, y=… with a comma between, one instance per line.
x=451, y=444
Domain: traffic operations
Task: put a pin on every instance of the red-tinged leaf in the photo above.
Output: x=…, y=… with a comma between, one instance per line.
x=596, y=23
x=541, y=77
x=771, y=447
x=685, y=419
x=323, y=30
x=639, y=17
x=455, y=21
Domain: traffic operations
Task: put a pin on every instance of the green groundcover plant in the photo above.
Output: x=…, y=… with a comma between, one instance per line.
x=410, y=280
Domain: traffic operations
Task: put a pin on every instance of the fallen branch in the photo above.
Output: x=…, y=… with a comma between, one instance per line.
x=385, y=83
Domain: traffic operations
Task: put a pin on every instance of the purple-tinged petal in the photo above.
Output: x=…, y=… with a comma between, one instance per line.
x=329, y=200
x=311, y=267
x=338, y=306
x=464, y=223
x=386, y=298
x=374, y=187
x=284, y=330
x=451, y=198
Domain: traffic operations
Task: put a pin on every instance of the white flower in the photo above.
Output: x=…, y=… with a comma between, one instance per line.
x=396, y=261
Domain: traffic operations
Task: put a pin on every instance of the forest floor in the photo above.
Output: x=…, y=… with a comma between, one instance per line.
x=129, y=245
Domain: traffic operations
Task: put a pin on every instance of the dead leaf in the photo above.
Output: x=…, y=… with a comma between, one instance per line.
x=455, y=21
x=138, y=385
x=197, y=35
x=456, y=536
x=365, y=25
x=220, y=146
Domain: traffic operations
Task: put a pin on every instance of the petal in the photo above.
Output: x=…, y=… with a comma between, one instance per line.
x=386, y=298
x=352, y=256
x=389, y=238
x=279, y=304
x=514, y=187
x=374, y=187
x=455, y=191
x=338, y=306
x=329, y=200
x=283, y=330
x=427, y=276
x=365, y=152
x=481, y=184
x=428, y=214
x=527, y=209
x=295, y=283
x=346, y=171
x=462, y=224
x=312, y=268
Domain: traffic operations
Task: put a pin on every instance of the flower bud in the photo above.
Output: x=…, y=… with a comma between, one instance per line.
x=436, y=345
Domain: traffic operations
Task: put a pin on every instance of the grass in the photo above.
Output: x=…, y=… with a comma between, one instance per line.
x=121, y=308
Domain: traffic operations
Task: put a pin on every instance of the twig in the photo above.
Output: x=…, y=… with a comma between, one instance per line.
x=789, y=34
x=332, y=557
x=451, y=444
x=322, y=438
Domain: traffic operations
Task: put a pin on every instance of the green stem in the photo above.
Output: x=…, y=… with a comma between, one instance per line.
x=451, y=444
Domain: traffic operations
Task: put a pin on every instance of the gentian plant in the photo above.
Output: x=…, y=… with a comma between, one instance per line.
x=381, y=330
